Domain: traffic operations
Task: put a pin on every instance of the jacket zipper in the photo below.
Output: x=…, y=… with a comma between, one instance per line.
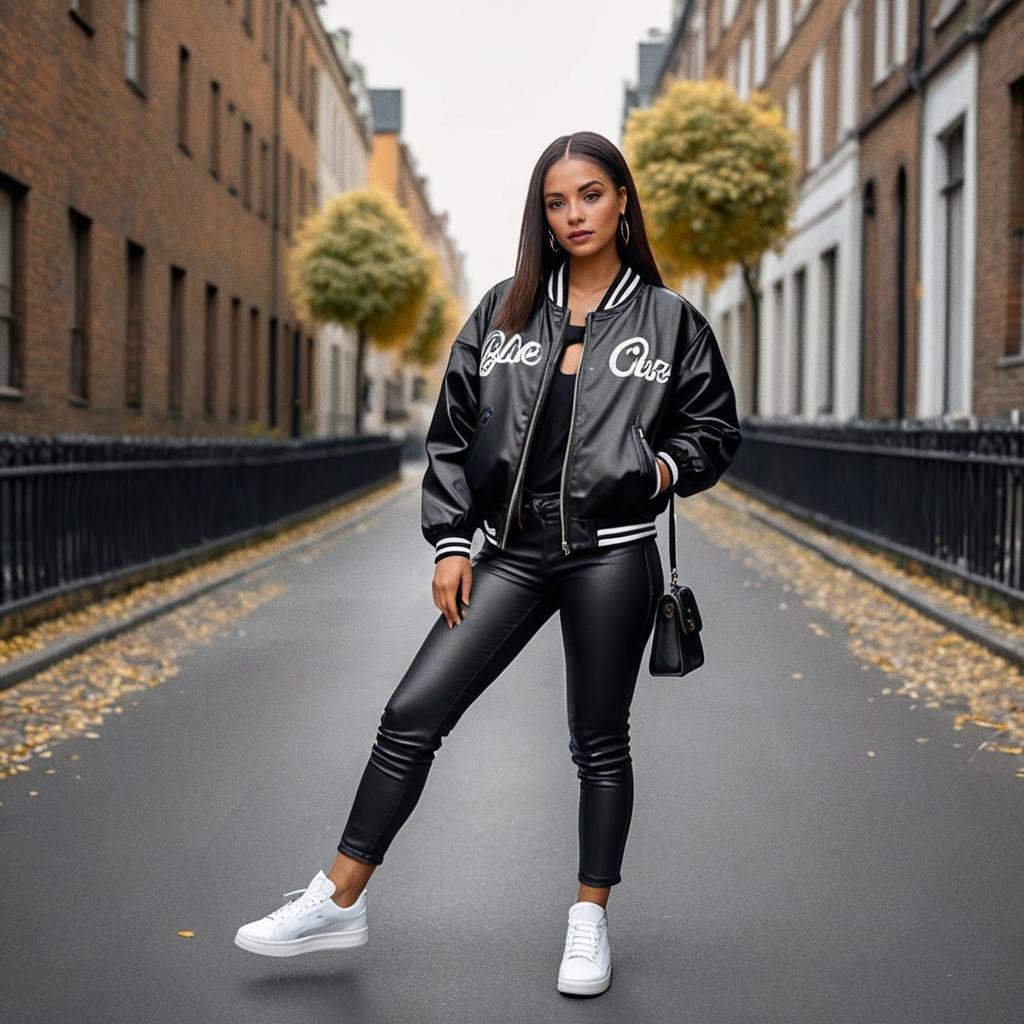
x=562, y=496
x=478, y=431
x=513, y=507
x=638, y=434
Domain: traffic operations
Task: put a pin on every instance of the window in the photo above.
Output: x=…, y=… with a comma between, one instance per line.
x=247, y=15
x=234, y=138
x=288, y=195
x=334, y=395
x=302, y=192
x=900, y=27
x=883, y=51
x=778, y=339
x=1015, y=165
x=264, y=178
x=953, y=300
x=827, y=355
x=300, y=76
x=234, y=341
x=288, y=53
x=133, y=41
x=743, y=67
x=310, y=352
x=797, y=352
x=176, y=341
x=849, y=67
x=215, y=129
x=783, y=24
x=700, y=45
x=816, y=110
x=254, y=362
x=793, y=119
x=266, y=28
x=311, y=100
x=134, y=333
x=79, y=362
x=246, y=164
x=183, y=79
x=210, y=353
x=272, y=371
x=760, y=42
x=10, y=356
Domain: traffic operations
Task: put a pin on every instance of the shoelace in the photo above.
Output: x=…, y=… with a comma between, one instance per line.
x=296, y=905
x=582, y=940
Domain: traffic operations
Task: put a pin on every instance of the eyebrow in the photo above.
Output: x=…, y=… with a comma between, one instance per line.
x=587, y=184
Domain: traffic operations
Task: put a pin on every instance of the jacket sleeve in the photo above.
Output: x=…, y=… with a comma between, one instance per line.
x=699, y=433
x=448, y=519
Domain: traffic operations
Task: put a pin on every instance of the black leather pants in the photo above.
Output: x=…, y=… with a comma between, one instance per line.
x=606, y=599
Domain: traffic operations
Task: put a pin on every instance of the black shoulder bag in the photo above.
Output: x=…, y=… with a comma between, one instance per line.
x=676, y=648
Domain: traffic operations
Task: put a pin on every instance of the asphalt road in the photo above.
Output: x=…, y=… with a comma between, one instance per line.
x=774, y=871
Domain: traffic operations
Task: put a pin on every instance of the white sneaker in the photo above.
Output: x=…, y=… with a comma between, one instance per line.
x=310, y=922
x=587, y=960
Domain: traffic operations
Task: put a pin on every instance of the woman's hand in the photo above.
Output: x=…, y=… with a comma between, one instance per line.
x=666, y=473
x=451, y=573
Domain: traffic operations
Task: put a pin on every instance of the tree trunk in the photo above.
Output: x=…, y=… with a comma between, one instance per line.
x=750, y=279
x=360, y=386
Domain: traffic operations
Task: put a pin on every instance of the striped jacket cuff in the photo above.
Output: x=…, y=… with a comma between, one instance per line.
x=657, y=479
x=451, y=545
x=673, y=468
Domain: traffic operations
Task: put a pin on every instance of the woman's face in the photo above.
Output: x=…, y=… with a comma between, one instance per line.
x=580, y=201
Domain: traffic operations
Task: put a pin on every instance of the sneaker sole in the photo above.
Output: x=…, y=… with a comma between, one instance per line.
x=586, y=988
x=308, y=944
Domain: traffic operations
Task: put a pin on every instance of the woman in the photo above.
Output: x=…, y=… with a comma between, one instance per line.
x=540, y=437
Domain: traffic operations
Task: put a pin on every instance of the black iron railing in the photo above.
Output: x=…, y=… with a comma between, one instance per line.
x=78, y=510
x=952, y=498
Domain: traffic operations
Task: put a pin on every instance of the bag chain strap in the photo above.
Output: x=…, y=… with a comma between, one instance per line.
x=672, y=540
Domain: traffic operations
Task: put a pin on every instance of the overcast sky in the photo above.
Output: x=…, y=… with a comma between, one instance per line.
x=485, y=87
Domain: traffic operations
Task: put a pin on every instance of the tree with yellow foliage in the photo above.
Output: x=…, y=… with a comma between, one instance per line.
x=717, y=180
x=359, y=262
x=439, y=322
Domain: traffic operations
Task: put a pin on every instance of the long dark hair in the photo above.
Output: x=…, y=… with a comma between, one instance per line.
x=536, y=257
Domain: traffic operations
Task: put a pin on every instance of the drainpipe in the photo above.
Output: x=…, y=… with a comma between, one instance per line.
x=915, y=82
x=275, y=227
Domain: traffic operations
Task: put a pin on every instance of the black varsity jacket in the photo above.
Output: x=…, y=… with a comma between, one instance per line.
x=651, y=381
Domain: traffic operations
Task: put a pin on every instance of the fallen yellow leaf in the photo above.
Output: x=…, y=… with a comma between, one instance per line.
x=186, y=934
x=1001, y=726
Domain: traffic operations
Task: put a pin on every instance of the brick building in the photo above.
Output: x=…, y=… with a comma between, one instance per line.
x=899, y=293
x=345, y=136
x=409, y=390
x=154, y=162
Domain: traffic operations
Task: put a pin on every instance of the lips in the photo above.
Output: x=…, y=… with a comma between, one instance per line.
x=581, y=234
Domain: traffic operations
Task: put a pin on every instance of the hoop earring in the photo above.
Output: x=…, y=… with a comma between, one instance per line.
x=623, y=224
x=551, y=241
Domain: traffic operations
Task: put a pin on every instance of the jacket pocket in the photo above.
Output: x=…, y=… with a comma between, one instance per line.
x=646, y=459
x=478, y=433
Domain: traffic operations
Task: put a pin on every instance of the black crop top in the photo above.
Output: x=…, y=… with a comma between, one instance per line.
x=547, y=449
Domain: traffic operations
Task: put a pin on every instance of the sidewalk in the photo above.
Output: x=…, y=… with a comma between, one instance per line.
x=944, y=645
x=44, y=645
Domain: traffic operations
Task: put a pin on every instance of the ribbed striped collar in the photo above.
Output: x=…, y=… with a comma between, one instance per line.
x=626, y=282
